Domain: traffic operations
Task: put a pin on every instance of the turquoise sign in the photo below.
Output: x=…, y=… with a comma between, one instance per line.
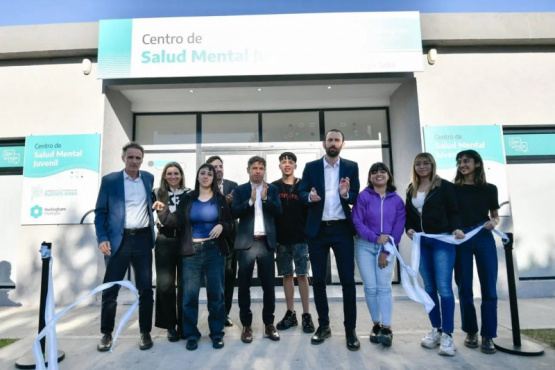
x=11, y=156
x=529, y=144
x=49, y=155
x=444, y=142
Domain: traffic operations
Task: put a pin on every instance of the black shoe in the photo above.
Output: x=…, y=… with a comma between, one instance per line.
x=352, y=341
x=146, y=342
x=308, y=325
x=385, y=337
x=192, y=344
x=321, y=334
x=487, y=346
x=374, y=333
x=173, y=336
x=471, y=340
x=218, y=343
x=288, y=321
x=105, y=343
x=228, y=322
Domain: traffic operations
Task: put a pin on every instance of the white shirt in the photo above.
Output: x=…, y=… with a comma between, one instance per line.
x=418, y=202
x=332, y=202
x=259, y=228
x=136, y=205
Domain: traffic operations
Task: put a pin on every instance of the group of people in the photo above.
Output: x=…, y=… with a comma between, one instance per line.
x=217, y=232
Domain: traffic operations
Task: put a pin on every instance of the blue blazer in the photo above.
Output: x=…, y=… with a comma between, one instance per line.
x=313, y=177
x=241, y=209
x=109, y=220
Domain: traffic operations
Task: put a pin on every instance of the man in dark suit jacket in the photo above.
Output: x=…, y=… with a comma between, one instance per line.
x=255, y=204
x=329, y=185
x=125, y=233
x=226, y=188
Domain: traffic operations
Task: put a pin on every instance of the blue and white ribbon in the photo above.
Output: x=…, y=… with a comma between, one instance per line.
x=51, y=319
x=409, y=274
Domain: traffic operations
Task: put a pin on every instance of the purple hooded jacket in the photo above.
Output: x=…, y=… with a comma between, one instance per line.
x=373, y=215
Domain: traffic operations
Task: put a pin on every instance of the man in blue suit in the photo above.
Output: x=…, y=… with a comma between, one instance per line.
x=255, y=204
x=329, y=185
x=125, y=234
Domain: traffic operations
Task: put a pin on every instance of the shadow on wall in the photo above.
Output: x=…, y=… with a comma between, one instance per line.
x=5, y=280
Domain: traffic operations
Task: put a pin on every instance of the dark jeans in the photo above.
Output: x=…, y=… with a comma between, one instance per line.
x=437, y=260
x=338, y=237
x=230, y=277
x=169, y=309
x=482, y=247
x=266, y=269
x=137, y=251
x=207, y=263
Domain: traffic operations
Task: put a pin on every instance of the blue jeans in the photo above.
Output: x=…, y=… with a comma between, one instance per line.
x=338, y=237
x=437, y=260
x=137, y=251
x=207, y=263
x=482, y=246
x=377, y=281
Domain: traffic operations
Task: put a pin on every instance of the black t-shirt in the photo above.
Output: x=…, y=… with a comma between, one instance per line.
x=475, y=202
x=291, y=222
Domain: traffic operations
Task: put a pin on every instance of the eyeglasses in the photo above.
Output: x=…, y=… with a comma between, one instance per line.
x=422, y=164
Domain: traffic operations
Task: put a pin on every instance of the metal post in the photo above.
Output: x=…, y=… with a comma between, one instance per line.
x=516, y=346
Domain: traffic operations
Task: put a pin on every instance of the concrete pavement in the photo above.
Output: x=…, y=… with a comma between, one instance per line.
x=78, y=334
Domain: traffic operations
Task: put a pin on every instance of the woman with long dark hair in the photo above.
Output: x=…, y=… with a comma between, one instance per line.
x=204, y=219
x=167, y=259
x=378, y=214
x=432, y=208
x=478, y=204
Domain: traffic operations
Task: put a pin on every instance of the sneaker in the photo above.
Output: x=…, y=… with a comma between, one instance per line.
x=432, y=339
x=308, y=325
x=288, y=321
x=374, y=333
x=471, y=340
x=447, y=347
x=385, y=337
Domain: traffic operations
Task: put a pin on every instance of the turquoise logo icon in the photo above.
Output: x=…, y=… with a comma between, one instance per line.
x=36, y=211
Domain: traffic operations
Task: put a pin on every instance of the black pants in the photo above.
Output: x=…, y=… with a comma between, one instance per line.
x=230, y=277
x=137, y=251
x=169, y=309
x=266, y=269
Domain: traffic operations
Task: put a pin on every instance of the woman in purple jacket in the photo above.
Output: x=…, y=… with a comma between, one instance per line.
x=378, y=214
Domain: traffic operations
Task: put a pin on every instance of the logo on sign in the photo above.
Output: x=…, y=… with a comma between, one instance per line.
x=36, y=211
x=518, y=144
x=11, y=156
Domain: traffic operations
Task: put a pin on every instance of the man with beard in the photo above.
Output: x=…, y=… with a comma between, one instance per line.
x=329, y=185
x=226, y=188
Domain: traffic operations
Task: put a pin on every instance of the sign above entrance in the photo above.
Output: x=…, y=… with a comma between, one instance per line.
x=290, y=44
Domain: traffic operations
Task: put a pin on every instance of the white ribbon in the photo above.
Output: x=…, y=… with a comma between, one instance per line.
x=50, y=319
x=409, y=274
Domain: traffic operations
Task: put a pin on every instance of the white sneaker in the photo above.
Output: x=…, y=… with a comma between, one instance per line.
x=447, y=347
x=432, y=339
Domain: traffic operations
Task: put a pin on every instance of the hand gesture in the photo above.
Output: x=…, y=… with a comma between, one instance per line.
x=216, y=231
x=229, y=197
x=158, y=206
x=382, y=239
x=264, y=192
x=253, y=194
x=344, y=186
x=105, y=248
x=314, y=197
x=458, y=234
x=410, y=233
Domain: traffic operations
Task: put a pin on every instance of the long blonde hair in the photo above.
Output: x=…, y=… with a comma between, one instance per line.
x=435, y=180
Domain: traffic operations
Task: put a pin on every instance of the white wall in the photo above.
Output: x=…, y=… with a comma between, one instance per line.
x=504, y=88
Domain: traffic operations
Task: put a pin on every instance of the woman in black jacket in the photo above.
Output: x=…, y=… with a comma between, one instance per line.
x=204, y=219
x=431, y=207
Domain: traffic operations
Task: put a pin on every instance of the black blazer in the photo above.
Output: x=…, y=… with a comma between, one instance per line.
x=313, y=177
x=229, y=186
x=241, y=209
x=180, y=220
